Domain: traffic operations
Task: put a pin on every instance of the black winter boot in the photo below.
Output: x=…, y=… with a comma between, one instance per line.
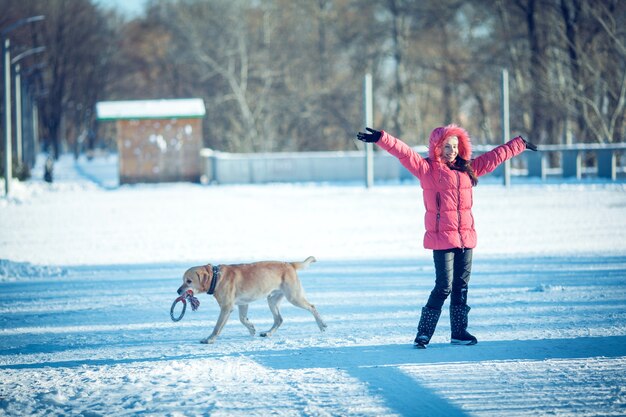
x=458, y=325
x=426, y=326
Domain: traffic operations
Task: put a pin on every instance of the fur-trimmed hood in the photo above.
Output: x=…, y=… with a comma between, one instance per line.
x=440, y=134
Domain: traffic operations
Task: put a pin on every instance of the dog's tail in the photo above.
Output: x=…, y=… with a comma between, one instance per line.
x=305, y=263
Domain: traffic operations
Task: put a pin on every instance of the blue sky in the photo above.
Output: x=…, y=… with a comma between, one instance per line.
x=129, y=7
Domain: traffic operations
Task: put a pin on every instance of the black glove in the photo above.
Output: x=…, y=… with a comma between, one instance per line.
x=529, y=145
x=370, y=137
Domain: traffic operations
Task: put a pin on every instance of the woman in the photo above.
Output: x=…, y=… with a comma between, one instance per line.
x=447, y=177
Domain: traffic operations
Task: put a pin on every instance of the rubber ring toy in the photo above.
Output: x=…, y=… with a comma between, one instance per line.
x=182, y=313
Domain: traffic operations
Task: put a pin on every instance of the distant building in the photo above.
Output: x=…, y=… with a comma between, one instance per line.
x=157, y=140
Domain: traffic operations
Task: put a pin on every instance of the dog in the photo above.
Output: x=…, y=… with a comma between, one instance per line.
x=242, y=284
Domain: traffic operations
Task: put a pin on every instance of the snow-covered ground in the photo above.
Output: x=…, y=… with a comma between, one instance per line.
x=88, y=271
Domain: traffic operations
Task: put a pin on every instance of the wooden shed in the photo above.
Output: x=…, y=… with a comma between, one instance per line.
x=157, y=140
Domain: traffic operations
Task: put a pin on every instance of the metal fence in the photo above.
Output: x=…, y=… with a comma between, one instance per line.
x=576, y=161
x=567, y=161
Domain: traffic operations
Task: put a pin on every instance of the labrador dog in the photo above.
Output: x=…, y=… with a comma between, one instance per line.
x=244, y=283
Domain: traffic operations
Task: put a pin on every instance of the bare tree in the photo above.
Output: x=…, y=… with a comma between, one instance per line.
x=287, y=74
x=596, y=50
x=214, y=39
x=75, y=35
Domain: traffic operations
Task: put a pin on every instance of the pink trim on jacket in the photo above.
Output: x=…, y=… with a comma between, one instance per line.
x=448, y=196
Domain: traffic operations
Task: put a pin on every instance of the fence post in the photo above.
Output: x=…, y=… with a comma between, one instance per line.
x=607, y=163
x=572, y=163
x=536, y=163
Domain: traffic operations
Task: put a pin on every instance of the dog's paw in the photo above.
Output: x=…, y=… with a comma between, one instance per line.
x=207, y=341
x=265, y=334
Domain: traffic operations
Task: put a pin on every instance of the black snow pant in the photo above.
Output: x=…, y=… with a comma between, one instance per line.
x=452, y=274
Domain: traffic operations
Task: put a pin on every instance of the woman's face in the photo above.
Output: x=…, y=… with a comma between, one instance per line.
x=450, y=149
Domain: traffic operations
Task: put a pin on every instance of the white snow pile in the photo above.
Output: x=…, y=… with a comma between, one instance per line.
x=89, y=270
x=14, y=270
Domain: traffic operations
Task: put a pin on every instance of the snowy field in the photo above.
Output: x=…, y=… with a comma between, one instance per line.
x=88, y=271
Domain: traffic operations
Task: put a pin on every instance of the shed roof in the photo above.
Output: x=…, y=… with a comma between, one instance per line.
x=150, y=109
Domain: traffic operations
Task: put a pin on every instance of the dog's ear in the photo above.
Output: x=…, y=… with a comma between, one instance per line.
x=205, y=277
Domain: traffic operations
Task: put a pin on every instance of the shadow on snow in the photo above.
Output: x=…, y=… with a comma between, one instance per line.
x=379, y=366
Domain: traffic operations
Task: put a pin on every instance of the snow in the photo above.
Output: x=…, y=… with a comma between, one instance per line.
x=142, y=109
x=89, y=269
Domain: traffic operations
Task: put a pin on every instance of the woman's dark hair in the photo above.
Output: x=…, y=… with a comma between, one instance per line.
x=463, y=165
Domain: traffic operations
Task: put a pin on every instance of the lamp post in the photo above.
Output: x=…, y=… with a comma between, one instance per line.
x=369, y=121
x=18, y=115
x=506, y=131
x=18, y=98
x=6, y=75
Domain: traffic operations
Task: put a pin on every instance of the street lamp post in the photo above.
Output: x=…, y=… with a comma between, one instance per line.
x=8, y=152
x=18, y=115
x=18, y=98
x=30, y=98
x=6, y=74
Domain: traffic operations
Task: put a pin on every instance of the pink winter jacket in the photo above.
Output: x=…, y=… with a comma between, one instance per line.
x=448, y=193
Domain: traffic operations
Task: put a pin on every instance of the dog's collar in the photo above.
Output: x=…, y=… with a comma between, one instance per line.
x=214, y=278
